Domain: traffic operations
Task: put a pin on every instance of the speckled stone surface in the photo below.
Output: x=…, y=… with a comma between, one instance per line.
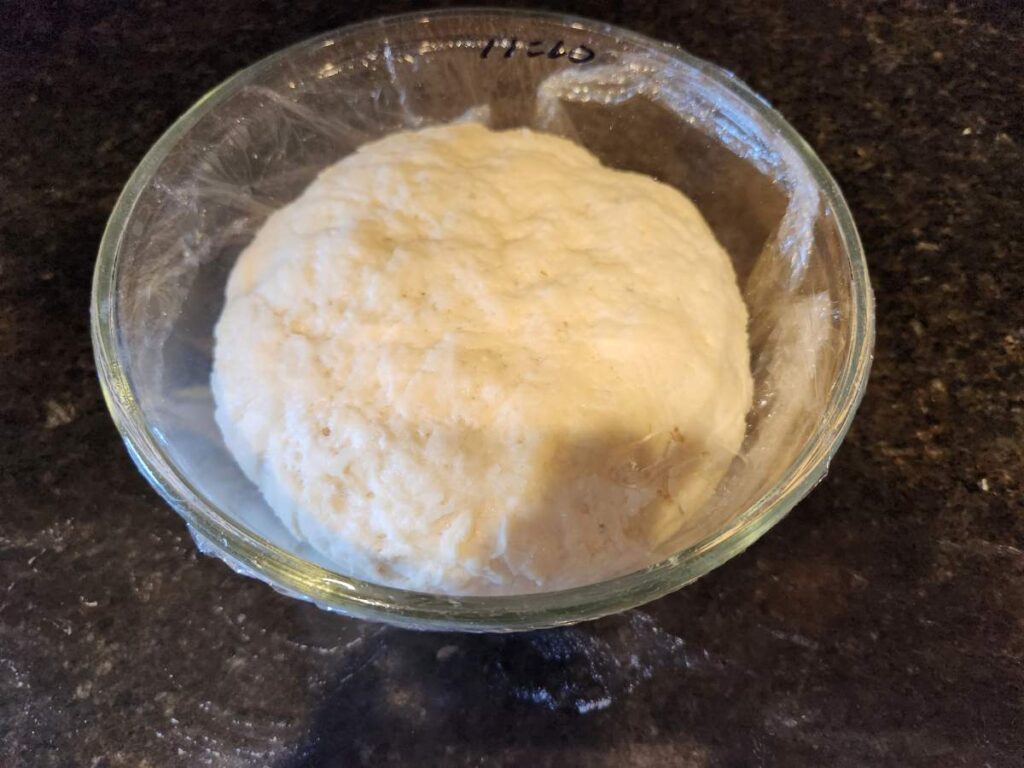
x=882, y=623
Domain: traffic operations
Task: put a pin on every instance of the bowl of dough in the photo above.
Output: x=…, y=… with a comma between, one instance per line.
x=481, y=320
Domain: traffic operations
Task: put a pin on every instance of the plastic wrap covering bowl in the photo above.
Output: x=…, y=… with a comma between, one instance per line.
x=255, y=142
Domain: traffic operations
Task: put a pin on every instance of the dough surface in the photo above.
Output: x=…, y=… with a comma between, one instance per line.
x=479, y=362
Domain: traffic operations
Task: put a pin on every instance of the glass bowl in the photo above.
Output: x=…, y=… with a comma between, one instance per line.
x=253, y=143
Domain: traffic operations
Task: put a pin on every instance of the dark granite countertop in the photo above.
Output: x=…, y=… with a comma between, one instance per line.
x=882, y=623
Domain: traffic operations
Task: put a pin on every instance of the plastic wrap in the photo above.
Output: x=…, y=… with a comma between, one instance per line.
x=256, y=142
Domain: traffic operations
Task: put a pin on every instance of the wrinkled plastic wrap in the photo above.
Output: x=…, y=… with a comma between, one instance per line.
x=255, y=144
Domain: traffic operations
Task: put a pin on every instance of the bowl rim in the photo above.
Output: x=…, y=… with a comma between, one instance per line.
x=251, y=554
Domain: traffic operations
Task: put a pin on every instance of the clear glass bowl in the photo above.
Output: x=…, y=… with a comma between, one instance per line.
x=252, y=144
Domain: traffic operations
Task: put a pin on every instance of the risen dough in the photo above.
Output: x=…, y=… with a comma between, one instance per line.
x=480, y=362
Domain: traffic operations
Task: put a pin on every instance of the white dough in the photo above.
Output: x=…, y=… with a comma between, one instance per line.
x=479, y=362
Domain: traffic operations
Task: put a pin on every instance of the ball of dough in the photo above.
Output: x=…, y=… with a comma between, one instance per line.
x=477, y=362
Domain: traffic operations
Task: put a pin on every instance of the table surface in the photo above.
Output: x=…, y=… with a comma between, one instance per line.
x=882, y=623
